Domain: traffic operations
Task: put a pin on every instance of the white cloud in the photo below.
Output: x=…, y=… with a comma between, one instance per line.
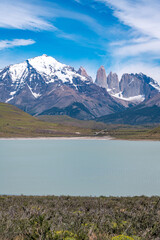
x=24, y=15
x=83, y=18
x=37, y=15
x=143, y=17
x=15, y=43
x=149, y=47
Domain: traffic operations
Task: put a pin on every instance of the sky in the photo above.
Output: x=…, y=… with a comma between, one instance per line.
x=122, y=35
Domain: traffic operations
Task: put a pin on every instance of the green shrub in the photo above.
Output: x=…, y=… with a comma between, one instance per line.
x=122, y=237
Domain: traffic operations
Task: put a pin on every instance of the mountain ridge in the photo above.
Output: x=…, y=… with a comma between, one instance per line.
x=43, y=85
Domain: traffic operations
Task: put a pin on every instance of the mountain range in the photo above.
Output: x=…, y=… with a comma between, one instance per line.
x=44, y=86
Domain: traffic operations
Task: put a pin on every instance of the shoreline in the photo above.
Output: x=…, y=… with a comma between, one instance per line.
x=104, y=138
x=59, y=138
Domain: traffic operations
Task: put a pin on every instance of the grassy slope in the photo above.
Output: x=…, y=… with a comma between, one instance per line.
x=16, y=123
x=115, y=130
x=126, y=132
x=136, y=116
x=68, y=121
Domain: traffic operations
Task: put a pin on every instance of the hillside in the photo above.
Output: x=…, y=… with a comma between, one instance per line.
x=16, y=123
x=117, y=131
x=139, y=115
x=73, y=122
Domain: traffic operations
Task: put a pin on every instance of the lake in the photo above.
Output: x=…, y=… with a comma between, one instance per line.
x=79, y=167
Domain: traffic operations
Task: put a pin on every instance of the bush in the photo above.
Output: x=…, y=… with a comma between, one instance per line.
x=122, y=237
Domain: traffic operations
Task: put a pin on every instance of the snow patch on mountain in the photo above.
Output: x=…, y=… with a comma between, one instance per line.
x=45, y=64
x=12, y=93
x=36, y=95
x=16, y=71
x=9, y=99
x=134, y=99
x=155, y=85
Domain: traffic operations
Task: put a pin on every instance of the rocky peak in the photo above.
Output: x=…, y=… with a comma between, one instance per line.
x=83, y=73
x=130, y=85
x=113, y=83
x=101, y=78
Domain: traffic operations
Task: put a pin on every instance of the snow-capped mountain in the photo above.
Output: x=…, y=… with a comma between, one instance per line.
x=42, y=83
x=35, y=73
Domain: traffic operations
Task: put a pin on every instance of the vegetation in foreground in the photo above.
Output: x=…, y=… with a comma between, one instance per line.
x=72, y=122
x=79, y=218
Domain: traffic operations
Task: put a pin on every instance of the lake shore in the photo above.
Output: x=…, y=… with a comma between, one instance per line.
x=105, y=138
x=60, y=138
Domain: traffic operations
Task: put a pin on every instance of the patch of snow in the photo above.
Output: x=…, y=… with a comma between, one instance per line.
x=45, y=64
x=135, y=99
x=12, y=93
x=9, y=99
x=36, y=95
x=155, y=85
x=4, y=75
x=131, y=81
x=16, y=71
x=109, y=89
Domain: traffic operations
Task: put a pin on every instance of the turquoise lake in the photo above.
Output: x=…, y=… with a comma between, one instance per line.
x=79, y=167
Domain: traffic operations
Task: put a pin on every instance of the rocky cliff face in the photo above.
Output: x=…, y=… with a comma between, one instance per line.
x=112, y=83
x=137, y=85
x=134, y=88
x=101, y=78
x=130, y=86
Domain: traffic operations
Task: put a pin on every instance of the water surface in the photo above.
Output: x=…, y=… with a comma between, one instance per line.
x=79, y=167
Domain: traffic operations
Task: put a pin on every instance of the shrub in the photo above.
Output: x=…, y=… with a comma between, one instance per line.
x=122, y=237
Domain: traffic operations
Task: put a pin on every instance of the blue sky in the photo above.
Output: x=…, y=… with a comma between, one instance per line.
x=122, y=35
